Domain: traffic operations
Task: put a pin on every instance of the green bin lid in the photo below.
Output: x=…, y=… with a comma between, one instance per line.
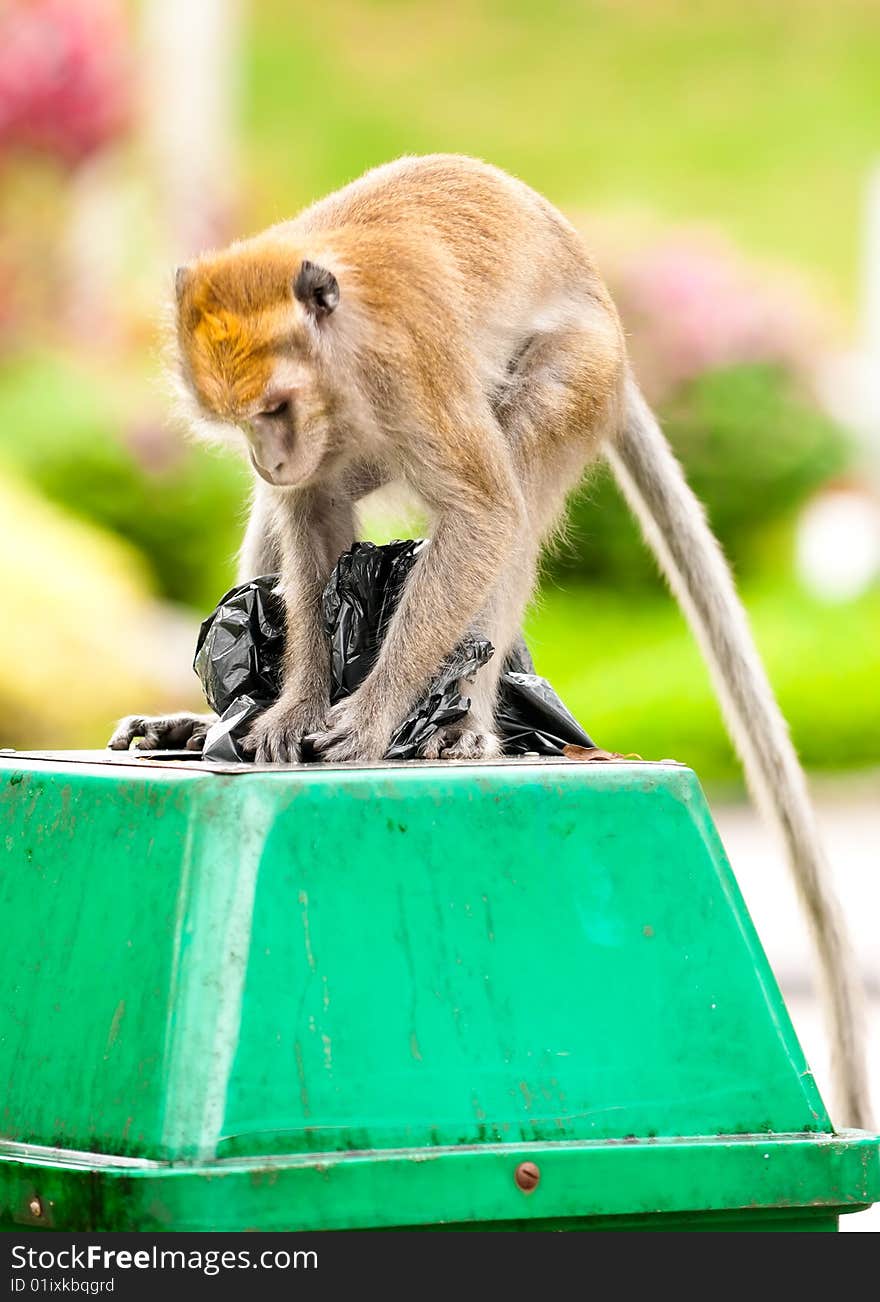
x=347, y=997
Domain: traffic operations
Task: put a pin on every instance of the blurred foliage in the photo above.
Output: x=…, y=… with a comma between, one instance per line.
x=80, y=638
x=72, y=435
x=753, y=446
x=760, y=119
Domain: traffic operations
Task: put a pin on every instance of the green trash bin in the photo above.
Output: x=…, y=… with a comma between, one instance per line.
x=518, y=995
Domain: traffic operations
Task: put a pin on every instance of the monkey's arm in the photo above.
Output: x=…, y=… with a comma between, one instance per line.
x=477, y=511
x=313, y=528
x=260, y=550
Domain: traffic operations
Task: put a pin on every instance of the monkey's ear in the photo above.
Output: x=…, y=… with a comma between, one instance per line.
x=317, y=289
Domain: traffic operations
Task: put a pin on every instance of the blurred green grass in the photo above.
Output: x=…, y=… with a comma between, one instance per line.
x=762, y=119
x=631, y=672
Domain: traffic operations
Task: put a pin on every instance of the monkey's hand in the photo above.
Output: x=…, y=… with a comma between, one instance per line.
x=276, y=736
x=181, y=731
x=356, y=730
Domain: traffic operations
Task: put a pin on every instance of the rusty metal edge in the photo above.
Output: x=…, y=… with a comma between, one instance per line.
x=468, y=1184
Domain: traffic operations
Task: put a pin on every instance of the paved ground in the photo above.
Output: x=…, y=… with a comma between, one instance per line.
x=850, y=821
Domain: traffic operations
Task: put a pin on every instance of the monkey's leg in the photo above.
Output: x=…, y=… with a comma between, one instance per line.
x=557, y=398
x=475, y=736
x=475, y=527
x=313, y=528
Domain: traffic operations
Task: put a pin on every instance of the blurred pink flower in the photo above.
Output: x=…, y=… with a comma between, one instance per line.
x=688, y=307
x=7, y=307
x=65, y=76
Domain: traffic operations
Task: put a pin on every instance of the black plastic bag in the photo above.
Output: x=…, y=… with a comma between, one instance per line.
x=239, y=658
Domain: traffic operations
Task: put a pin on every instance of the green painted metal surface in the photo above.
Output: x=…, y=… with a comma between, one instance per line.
x=359, y=997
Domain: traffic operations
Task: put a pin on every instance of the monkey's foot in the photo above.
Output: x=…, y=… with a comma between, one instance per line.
x=183, y=731
x=276, y=736
x=455, y=742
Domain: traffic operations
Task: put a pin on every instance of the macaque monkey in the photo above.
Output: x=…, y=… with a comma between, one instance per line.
x=439, y=324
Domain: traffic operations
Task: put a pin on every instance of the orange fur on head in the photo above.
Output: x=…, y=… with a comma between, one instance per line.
x=234, y=317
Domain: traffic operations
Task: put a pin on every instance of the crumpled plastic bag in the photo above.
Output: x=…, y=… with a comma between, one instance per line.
x=239, y=659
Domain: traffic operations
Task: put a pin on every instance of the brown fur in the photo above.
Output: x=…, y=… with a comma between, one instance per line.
x=474, y=355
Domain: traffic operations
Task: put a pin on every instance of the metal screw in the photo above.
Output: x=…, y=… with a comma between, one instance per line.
x=527, y=1176
x=35, y=1207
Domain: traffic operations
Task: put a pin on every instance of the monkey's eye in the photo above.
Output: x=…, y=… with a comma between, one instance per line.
x=279, y=408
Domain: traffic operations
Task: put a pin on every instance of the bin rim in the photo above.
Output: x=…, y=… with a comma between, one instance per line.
x=467, y=1184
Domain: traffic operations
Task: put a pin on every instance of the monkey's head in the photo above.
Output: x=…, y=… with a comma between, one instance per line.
x=254, y=337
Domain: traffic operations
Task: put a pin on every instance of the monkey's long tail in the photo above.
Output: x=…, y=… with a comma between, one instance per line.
x=676, y=530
